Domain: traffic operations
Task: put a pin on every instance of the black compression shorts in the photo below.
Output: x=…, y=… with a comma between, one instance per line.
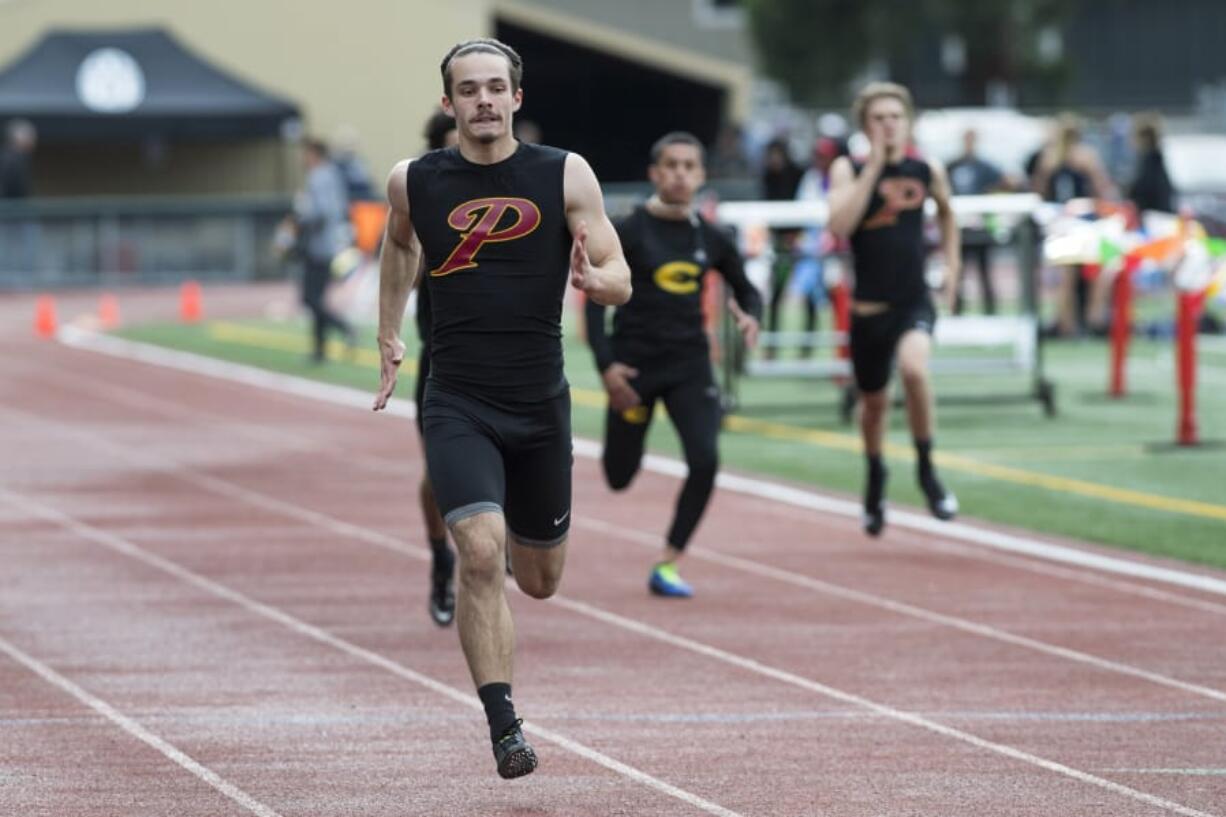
x=486, y=457
x=874, y=340
x=419, y=385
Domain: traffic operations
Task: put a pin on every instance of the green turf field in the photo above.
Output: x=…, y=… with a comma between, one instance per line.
x=1102, y=470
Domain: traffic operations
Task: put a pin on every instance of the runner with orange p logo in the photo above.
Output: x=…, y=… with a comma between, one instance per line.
x=478, y=220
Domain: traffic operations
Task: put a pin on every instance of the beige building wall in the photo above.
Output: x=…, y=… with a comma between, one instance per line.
x=372, y=64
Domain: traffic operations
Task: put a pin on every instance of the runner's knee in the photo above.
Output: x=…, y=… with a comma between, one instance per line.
x=479, y=542
x=539, y=582
x=538, y=571
x=874, y=402
x=913, y=372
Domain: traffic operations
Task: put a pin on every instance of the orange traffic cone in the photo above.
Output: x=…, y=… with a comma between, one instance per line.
x=45, y=322
x=108, y=312
x=191, y=310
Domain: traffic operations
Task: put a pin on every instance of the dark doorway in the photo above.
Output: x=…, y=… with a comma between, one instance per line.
x=609, y=109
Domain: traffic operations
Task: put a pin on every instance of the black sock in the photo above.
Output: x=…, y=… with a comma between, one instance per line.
x=874, y=491
x=924, y=471
x=923, y=456
x=499, y=710
x=444, y=558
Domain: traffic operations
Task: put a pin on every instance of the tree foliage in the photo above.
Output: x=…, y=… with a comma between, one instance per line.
x=816, y=47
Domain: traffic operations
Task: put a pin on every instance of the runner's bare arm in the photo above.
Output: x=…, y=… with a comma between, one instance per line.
x=849, y=195
x=951, y=237
x=398, y=266
x=597, y=265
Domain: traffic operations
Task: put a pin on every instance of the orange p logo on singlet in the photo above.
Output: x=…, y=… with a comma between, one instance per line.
x=899, y=194
x=477, y=221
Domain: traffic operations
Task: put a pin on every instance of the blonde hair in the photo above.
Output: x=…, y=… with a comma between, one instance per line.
x=876, y=90
x=1147, y=130
x=1067, y=135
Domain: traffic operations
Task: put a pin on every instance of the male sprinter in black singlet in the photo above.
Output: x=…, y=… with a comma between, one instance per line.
x=880, y=206
x=659, y=349
x=502, y=225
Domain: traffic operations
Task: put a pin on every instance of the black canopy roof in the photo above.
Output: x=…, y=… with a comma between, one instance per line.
x=81, y=86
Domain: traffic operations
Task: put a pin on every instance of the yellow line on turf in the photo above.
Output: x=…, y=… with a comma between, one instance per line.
x=1058, y=453
x=277, y=340
x=590, y=398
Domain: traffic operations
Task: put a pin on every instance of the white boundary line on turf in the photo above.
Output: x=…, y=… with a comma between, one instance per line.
x=125, y=548
x=133, y=728
x=141, y=400
x=131, y=550
x=344, y=396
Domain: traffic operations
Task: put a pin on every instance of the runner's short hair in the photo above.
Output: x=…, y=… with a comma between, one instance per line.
x=876, y=90
x=677, y=137
x=437, y=127
x=482, y=45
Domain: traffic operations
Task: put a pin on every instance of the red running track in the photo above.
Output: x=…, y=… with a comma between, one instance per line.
x=213, y=602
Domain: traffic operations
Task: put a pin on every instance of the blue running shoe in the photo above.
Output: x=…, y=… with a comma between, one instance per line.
x=666, y=581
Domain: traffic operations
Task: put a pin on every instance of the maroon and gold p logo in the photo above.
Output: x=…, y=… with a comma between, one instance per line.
x=899, y=193
x=477, y=221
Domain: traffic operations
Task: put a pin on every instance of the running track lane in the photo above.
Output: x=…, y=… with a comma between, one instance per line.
x=737, y=737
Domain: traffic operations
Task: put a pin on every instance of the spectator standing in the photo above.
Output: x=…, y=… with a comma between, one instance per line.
x=1151, y=187
x=353, y=169
x=321, y=215
x=780, y=181
x=970, y=175
x=1067, y=169
x=20, y=141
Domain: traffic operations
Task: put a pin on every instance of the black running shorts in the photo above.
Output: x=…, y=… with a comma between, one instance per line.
x=419, y=385
x=511, y=460
x=874, y=340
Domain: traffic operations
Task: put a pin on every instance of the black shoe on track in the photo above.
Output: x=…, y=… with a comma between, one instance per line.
x=874, y=501
x=514, y=756
x=442, y=601
x=874, y=519
x=941, y=503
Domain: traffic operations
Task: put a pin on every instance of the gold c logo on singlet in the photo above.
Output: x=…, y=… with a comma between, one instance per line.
x=678, y=277
x=477, y=222
x=899, y=194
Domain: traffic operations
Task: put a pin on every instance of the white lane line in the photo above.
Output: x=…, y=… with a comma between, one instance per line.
x=145, y=402
x=133, y=728
x=903, y=609
x=133, y=551
x=1188, y=772
x=317, y=519
x=783, y=676
x=250, y=375
x=631, y=625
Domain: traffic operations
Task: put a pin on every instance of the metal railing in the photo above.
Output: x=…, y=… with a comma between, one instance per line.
x=46, y=243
